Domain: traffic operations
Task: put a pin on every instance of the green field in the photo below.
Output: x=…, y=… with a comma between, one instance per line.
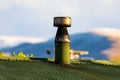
x=46, y=70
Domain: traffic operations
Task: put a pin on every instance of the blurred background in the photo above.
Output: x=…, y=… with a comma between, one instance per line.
x=95, y=23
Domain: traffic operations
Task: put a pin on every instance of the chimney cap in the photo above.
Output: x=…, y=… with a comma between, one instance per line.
x=62, y=21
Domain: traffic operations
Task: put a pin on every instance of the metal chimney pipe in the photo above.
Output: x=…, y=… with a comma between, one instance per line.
x=62, y=40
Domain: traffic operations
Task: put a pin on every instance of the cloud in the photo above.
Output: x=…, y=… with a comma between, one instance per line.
x=7, y=4
x=22, y=15
x=63, y=7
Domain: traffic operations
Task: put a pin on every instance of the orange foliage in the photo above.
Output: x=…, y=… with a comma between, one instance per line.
x=115, y=58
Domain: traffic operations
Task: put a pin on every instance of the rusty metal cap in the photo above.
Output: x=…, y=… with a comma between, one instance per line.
x=62, y=21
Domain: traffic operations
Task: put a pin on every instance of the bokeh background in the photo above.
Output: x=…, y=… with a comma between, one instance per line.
x=27, y=25
x=34, y=18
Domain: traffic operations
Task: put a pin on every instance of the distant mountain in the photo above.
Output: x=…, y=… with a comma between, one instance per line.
x=113, y=52
x=98, y=45
x=86, y=41
x=93, y=43
x=38, y=49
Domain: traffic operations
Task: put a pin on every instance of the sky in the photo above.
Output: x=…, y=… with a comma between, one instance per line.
x=34, y=18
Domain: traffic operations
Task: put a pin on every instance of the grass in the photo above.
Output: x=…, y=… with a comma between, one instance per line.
x=14, y=58
x=41, y=69
x=106, y=62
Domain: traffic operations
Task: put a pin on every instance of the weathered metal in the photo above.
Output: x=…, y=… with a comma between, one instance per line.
x=62, y=21
x=62, y=40
x=62, y=35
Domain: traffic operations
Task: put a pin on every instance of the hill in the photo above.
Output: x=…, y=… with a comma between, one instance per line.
x=93, y=43
x=100, y=43
x=45, y=70
x=113, y=52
